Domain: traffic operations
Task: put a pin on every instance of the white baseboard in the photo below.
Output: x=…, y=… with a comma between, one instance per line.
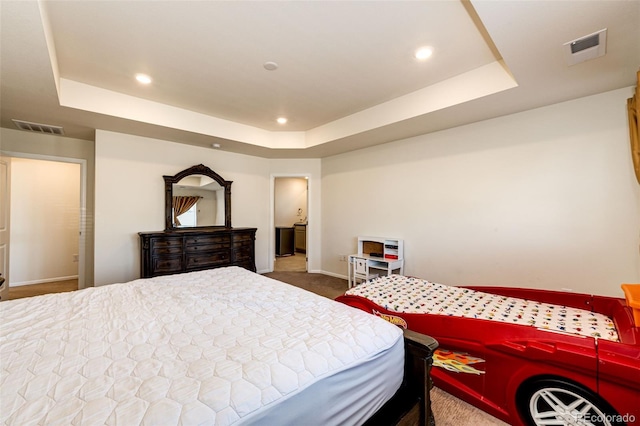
x=46, y=280
x=333, y=274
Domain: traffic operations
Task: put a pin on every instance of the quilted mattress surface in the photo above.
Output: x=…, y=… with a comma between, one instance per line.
x=209, y=347
x=413, y=295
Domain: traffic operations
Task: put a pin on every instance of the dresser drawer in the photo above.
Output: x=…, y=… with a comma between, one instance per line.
x=245, y=239
x=208, y=240
x=203, y=260
x=239, y=245
x=243, y=236
x=243, y=253
x=167, y=265
x=193, y=248
x=166, y=246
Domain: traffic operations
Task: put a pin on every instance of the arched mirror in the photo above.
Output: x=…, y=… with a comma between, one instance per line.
x=197, y=197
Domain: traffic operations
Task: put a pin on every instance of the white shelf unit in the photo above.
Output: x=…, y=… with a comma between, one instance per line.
x=376, y=256
x=385, y=248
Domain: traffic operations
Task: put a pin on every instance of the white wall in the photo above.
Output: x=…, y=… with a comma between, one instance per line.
x=130, y=196
x=45, y=220
x=545, y=198
x=290, y=197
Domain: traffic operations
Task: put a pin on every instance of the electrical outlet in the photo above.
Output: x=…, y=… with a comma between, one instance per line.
x=343, y=258
x=74, y=258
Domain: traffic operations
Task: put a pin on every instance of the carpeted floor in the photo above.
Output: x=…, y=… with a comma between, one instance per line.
x=321, y=284
x=448, y=410
x=295, y=262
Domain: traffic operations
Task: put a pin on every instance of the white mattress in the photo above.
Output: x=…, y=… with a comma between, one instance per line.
x=222, y=346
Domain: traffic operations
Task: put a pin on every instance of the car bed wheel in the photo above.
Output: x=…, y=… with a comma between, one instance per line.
x=554, y=401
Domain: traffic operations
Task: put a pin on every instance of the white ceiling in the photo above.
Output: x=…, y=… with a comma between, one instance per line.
x=346, y=76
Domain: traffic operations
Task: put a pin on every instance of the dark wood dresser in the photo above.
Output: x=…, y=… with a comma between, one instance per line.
x=175, y=251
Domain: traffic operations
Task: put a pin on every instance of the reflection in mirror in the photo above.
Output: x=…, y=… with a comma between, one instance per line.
x=198, y=200
x=197, y=197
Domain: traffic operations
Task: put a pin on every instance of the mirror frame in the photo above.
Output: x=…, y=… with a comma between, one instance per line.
x=200, y=169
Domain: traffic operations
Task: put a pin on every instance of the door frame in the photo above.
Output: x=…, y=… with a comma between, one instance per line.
x=83, y=203
x=5, y=225
x=272, y=217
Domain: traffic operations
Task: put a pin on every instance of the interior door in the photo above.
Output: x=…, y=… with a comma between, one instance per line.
x=5, y=187
x=290, y=200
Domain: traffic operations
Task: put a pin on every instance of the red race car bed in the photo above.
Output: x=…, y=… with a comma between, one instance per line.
x=525, y=356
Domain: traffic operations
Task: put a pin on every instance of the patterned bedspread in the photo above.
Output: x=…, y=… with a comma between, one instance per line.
x=402, y=294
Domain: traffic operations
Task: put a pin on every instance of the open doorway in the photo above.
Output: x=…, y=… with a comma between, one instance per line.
x=290, y=220
x=46, y=249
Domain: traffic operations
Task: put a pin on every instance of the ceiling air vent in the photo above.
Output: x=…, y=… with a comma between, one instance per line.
x=587, y=47
x=39, y=128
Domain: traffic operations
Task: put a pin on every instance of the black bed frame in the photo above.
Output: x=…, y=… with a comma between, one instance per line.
x=411, y=405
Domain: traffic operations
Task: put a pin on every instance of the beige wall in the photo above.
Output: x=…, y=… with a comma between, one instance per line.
x=545, y=198
x=45, y=220
x=130, y=196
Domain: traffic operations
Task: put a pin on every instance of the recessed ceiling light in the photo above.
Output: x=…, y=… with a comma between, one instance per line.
x=423, y=53
x=143, y=78
x=270, y=66
x=282, y=120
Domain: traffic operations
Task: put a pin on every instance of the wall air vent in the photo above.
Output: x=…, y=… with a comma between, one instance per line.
x=588, y=47
x=39, y=128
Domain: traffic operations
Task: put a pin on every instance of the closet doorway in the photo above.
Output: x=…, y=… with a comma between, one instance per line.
x=290, y=223
x=46, y=225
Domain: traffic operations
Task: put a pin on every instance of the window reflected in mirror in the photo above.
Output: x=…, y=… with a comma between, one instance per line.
x=198, y=200
x=197, y=197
